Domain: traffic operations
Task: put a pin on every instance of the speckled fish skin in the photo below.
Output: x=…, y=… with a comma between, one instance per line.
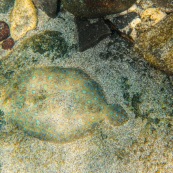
x=96, y=8
x=58, y=104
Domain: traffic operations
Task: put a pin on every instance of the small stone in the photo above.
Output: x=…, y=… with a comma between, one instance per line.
x=156, y=45
x=8, y=44
x=50, y=7
x=58, y=104
x=89, y=34
x=23, y=18
x=4, y=31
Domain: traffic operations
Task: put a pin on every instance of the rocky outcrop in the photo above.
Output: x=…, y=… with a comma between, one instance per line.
x=156, y=45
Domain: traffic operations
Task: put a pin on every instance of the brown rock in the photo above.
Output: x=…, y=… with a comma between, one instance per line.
x=157, y=45
x=50, y=7
x=8, y=44
x=4, y=30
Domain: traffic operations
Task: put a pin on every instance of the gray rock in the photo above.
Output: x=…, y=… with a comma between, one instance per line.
x=95, y=33
x=50, y=7
x=96, y=8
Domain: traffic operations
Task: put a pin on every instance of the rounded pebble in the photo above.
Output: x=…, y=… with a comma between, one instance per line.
x=4, y=30
x=8, y=44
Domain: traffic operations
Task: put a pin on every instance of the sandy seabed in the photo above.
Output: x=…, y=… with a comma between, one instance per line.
x=141, y=145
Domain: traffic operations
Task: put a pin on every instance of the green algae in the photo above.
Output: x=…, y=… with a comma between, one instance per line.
x=5, y=5
x=48, y=41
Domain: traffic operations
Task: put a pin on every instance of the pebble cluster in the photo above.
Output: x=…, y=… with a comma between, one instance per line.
x=7, y=43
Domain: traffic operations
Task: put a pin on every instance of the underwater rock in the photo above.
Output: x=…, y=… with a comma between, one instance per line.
x=4, y=31
x=58, y=104
x=23, y=18
x=156, y=45
x=8, y=44
x=95, y=33
x=50, y=7
x=84, y=9
x=5, y=5
x=89, y=9
x=47, y=41
x=96, y=8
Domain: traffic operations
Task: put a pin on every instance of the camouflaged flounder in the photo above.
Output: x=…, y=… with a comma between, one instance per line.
x=58, y=104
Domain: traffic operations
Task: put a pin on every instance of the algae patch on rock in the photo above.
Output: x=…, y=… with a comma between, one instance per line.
x=58, y=104
x=23, y=18
x=47, y=44
x=5, y=5
x=46, y=41
x=157, y=45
